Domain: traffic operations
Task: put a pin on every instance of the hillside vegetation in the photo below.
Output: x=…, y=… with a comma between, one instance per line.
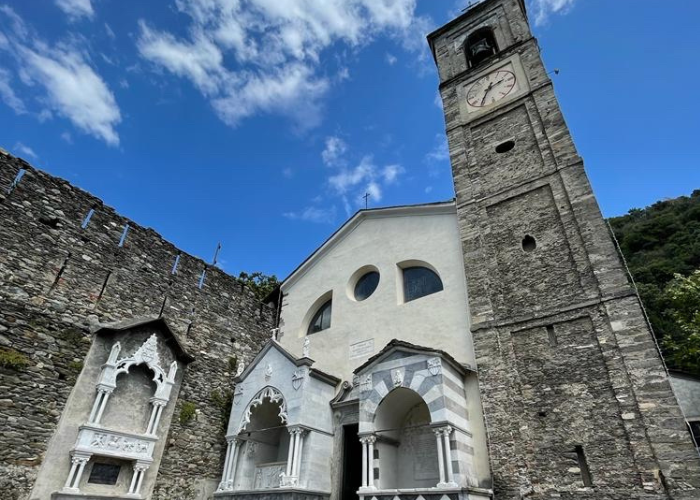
x=662, y=246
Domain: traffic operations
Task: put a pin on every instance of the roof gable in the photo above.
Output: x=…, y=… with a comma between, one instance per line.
x=398, y=348
x=150, y=321
x=438, y=208
x=274, y=345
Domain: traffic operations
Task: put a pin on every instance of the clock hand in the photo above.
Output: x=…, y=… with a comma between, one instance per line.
x=488, y=89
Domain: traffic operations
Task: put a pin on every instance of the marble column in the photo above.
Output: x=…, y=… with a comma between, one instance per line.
x=298, y=455
x=440, y=456
x=137, y=479
x=445, y=457
x=364, y=461
x=370, y=461
x=227, y=460
x=290, y=452
x=78, y=463
x=99, y=405
x=231, y=471
x=446, y=431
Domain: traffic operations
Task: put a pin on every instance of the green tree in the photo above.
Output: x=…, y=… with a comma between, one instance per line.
x=261, y=283
x=659, y=242
x=683, y=348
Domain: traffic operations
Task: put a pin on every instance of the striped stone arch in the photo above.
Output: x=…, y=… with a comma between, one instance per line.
x=419, y=373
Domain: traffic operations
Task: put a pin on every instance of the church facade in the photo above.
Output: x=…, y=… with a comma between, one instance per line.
x=486, y=347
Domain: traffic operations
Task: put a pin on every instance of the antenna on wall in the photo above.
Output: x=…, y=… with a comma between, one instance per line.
x=216, y=254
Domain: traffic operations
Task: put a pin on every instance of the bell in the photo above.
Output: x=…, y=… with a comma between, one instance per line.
x=480, y=50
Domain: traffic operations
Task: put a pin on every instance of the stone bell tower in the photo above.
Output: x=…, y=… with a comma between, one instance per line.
x=576, y=399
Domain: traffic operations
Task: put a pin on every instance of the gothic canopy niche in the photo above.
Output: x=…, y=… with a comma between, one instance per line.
x=119, y=412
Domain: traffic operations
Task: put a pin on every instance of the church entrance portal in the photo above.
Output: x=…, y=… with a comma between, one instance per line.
x=352, y=462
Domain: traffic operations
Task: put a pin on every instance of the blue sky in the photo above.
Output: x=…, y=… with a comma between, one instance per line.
x=261, y=123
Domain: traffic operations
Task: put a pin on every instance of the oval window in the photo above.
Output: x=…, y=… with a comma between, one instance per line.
x=366, y=285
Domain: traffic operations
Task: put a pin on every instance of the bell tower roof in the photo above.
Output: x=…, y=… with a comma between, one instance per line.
x=469, y=12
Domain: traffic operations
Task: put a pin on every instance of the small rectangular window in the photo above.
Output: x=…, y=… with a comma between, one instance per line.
x=583, y=466
x=552, y=336
x=695, y=431
x=104, y=473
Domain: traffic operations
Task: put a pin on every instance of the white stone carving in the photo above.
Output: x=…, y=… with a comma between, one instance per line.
x=268, y=372
x=240, y=368
x=299, y=377
x=269, y=476
x=397, y=377
x=114, y=353
x=366, y=383
x=435, y=366
x=237, y=394
x=250, y=448
x=95, y=440
x=274, y=396
x=355, y=381
x=307, y=347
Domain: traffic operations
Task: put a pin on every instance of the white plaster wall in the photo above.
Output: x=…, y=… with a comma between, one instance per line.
x=687, y=389
x=440, y=320
x=306, y=406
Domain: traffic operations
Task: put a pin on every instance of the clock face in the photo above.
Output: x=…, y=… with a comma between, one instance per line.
x=491, y=88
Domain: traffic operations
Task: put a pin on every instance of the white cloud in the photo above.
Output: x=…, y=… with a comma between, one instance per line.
x=72, y=88
x=76, y=9
x=438, y=157
x=223, y=54
x=25, y=150
x=8, y=95
x=390, y=173
x=67, y=137
x=314, y=214
x=440, y=151
x=543, y=9
x=334, y=151
x=75, y=90
x=390, y=59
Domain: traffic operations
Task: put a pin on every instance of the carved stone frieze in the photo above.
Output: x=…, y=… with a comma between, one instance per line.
x=99, y=441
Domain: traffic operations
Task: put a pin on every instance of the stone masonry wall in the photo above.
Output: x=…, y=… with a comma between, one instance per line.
x=58, y=281
x=570, y=377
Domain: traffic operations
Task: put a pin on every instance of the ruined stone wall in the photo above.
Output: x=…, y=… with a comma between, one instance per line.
x=570, y=376
x=59, y=281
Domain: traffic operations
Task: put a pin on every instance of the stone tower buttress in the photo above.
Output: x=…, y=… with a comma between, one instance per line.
x=575, y=394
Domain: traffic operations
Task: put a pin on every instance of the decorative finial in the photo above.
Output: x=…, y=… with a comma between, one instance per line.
x=239, y=369
x=306, y=348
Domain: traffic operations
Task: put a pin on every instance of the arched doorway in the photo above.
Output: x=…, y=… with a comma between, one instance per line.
x=265, y=452
x=406, y=454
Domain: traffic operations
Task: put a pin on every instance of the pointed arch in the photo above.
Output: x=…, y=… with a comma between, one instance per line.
x=274, y=396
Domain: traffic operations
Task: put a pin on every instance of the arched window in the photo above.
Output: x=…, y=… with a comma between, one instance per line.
x=322, y=318
x=418, y=282
x=480, y=46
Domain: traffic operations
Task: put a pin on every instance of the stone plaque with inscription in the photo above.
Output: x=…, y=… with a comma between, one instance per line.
x=362, y=349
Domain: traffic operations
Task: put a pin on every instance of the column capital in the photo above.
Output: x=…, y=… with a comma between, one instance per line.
x=296, y=429
x=158, y=401
x=368, y=439
x=445, y=429
x=80, y=458
x=104, y=388
x=233, y=440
